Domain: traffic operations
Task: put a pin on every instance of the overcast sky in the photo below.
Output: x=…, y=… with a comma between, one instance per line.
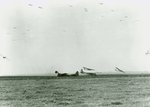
x=38, y=37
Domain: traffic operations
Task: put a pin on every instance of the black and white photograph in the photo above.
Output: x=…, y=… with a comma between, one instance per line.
x=74, y=53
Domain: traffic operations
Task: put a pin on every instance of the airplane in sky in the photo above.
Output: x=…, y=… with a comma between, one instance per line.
x=119, y=70
x=147, y=52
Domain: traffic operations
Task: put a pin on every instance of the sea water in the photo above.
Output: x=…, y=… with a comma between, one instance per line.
x=107, y=91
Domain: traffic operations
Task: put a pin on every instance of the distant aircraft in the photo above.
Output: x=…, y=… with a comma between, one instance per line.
x=125, y=16
x=89, y=69
x=117, y=69
x=70, y=5
x=85, y=9
x=40, y=7
x=87, y=73
x=29, y=4
x=4, y=57
x=101, y=3
x=147, y=53
x=14, y=27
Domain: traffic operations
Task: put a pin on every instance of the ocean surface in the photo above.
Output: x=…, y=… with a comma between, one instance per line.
x=99, y=91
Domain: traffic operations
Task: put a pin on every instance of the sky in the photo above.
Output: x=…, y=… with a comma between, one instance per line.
x=38, y=37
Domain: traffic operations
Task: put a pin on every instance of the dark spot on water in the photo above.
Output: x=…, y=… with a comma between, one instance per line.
x=104, y=104
x=68, y=99
x=38, y=92
x=116, y=103
x=69, y=95
x=52, y=101
x=80, y=90
x=63, y=103
x=24, y=91
x=8, y=91
x=58, y=93
x=107, y=98
x=79, y=102
x=57, y=87
x=28, y=97
x=85, y=96
x=128, y=91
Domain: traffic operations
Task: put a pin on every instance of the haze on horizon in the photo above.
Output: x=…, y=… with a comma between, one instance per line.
x=41, y=36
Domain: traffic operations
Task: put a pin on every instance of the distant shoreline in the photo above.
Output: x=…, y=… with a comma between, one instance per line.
x=78, y=77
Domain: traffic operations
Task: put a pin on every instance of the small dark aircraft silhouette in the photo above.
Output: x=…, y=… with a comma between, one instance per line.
x=4, y=57
x=14, y=27
x=117, y=69
x=29, y=4
x=147, y=53
x=89, y=69
x=85, y=9
x=125, y=16
x=88, y=73
x=101, y=3
x=40, y=7
x=70, y=6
